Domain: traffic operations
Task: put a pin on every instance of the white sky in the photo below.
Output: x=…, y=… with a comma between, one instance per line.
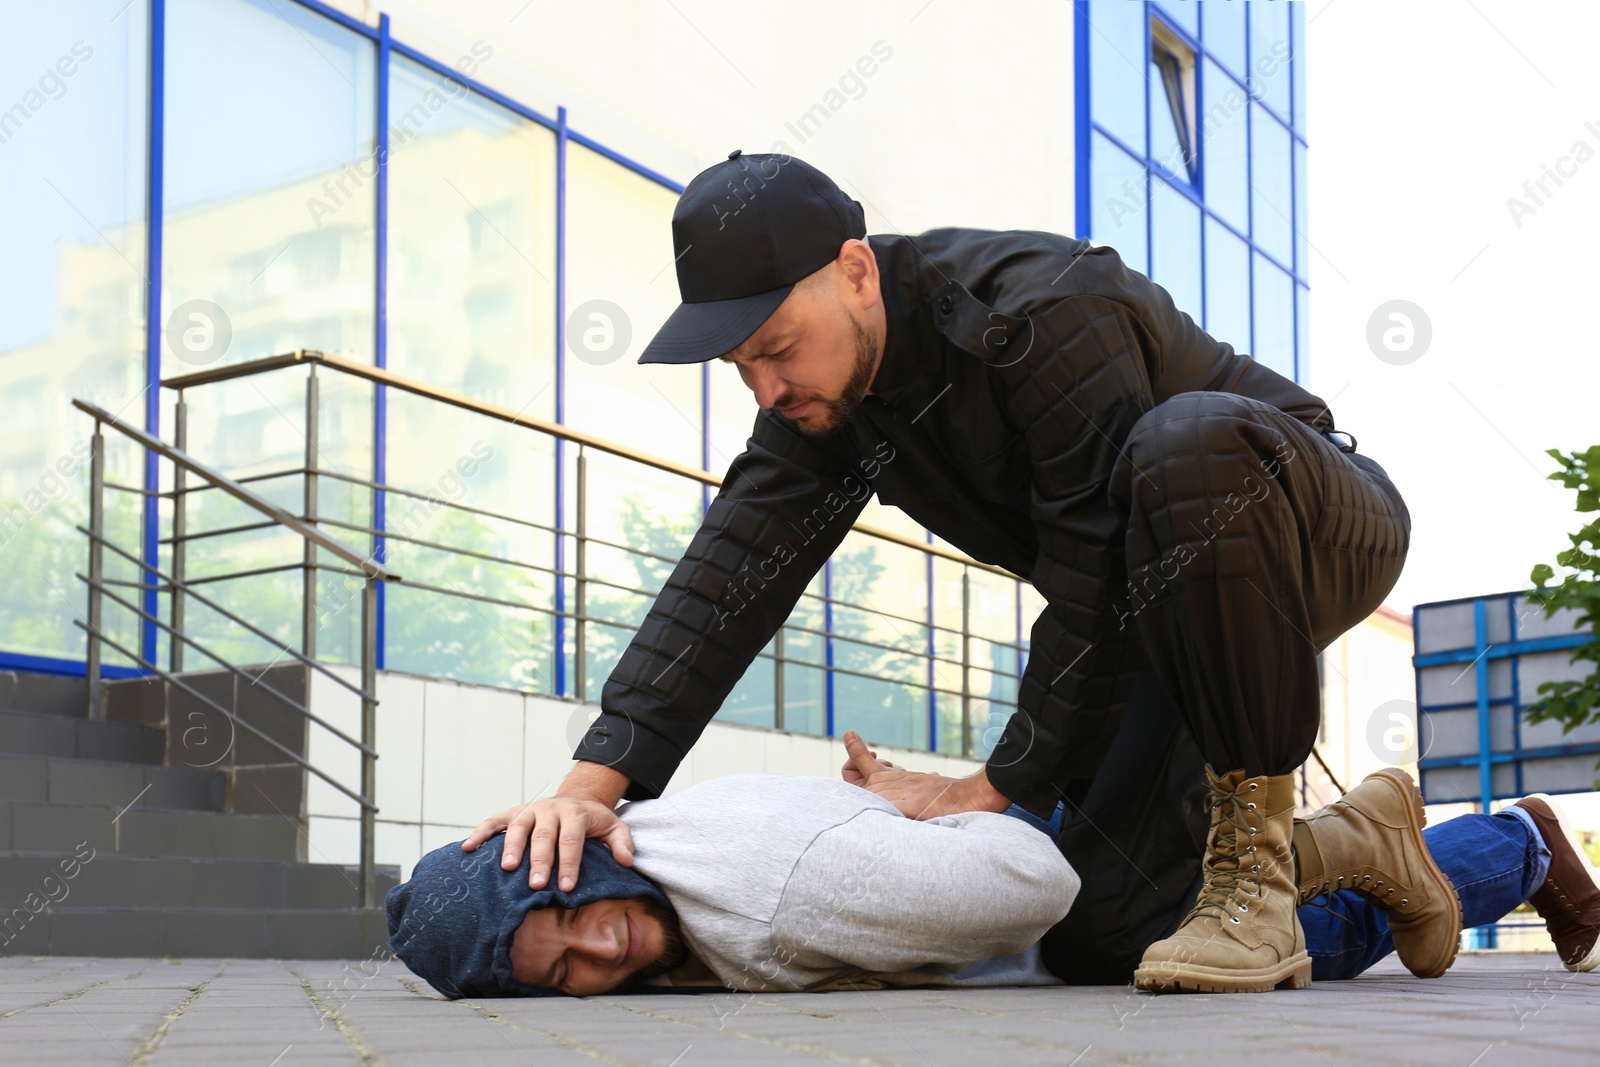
x=1423, y=119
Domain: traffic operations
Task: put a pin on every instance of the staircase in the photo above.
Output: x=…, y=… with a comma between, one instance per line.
x=109, y=849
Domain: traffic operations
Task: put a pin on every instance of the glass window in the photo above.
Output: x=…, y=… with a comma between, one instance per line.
x=1272, y=194
x=1172, y=104
x=471, y=245
x=72, y=162
x=269, y=203
x=1297, y=19
x=621, y=286
x=1302, y=259
x=1184, y=13
x=1274, y=307
x=1175, y=246
x=1117, y=194
x=1227, y=287
x=1222, y=30
x=1270, y=76
x=880, y=594
x=1225, y=147
x=1117, y=69
x=1302, y=331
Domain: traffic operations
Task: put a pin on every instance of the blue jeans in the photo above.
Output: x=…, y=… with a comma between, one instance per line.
x=1496, y=861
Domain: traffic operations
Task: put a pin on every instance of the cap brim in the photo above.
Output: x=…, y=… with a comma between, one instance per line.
x=695, y=333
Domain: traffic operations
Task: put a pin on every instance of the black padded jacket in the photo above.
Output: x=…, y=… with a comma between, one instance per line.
x=1016, y=363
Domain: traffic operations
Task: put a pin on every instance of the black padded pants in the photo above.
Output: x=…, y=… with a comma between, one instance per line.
x=1252, y=543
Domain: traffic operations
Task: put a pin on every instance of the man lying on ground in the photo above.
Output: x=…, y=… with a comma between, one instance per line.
x=760, y=882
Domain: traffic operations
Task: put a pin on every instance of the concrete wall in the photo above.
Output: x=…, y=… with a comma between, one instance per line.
x=453, y=754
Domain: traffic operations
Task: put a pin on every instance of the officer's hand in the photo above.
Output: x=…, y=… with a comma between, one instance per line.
x=923, y=796
x=543, y=824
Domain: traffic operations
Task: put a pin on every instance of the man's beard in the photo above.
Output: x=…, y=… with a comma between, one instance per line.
x=840, y=411
x=674, y=951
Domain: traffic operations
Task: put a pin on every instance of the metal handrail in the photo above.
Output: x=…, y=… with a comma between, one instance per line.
x=382, y=376
x=368, y=566
x=311, y=471
x=99, y=588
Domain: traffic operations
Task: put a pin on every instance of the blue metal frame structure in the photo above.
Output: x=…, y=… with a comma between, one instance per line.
x=1479, y=655
x=154, y=160
x=1087, y=125
x=380, y=336
x=558, y=640
x=387, y=47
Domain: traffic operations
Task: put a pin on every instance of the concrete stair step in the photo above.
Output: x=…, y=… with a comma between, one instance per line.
x=26, y=733
x=93, y=879
x=44, y=694
x=27, y=826
x=60, y=780
x=246, y=933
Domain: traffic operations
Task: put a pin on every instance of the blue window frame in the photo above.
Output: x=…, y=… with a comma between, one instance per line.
x=1245, y=199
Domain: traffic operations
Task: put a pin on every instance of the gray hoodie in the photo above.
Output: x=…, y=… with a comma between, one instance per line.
x=787, y=883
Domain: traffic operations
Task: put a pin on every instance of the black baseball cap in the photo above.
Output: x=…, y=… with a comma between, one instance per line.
x=744, y=232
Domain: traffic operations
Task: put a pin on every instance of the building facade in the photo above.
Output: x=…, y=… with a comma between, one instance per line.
x=477, y=198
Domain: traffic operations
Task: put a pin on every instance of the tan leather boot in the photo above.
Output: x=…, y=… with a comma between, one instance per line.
x=1370, y=840
x=1242, y=935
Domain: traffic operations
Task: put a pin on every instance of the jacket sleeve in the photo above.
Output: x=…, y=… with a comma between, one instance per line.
x=783, y=508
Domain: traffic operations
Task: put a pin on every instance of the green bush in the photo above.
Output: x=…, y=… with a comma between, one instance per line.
x=1574, y=703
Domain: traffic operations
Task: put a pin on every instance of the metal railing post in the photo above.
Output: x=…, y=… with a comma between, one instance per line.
x=966, y=664
x=580, y=566
x=581, y=570
x=777, y=679
x=308, y=594
x=369, y=734
x=97, y=524
x=180, y=528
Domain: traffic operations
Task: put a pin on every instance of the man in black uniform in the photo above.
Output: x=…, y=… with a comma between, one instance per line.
x=1198, y=528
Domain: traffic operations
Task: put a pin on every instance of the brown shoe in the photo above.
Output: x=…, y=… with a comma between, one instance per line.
x=1569, y=899
x=1242, y=935
x=1370, y=840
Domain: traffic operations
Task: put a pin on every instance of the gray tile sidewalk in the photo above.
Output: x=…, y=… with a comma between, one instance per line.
x=1488, y=1010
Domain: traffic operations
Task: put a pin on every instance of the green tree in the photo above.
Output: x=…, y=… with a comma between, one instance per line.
x=1574, y=702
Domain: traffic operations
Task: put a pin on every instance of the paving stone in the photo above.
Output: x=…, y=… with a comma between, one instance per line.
x=61, y=1010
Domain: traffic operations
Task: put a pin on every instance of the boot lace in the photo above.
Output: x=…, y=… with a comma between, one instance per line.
x=1230, y=852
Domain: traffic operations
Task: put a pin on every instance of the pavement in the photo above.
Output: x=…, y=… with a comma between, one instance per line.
x=1490, y=1009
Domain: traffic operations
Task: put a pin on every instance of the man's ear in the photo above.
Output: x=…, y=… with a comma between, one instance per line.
x=858, y=272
